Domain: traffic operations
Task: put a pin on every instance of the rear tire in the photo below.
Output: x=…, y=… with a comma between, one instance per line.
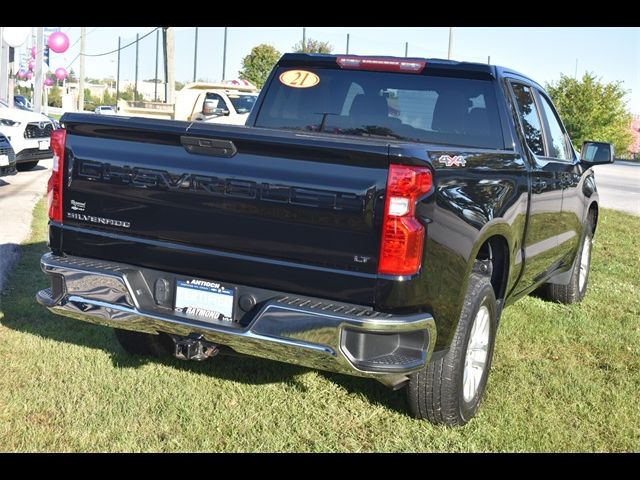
x=144, y=344
x=449, y=390
x=23, y=167
x=576, y=289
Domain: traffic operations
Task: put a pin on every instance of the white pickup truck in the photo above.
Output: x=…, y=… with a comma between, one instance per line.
x=215, y=102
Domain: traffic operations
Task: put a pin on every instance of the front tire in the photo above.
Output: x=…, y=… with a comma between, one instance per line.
x=576, y=289
x=449, y=390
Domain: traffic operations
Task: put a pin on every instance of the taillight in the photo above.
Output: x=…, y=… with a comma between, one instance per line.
x=382, y=64
x=402, y=233
x=54, y=187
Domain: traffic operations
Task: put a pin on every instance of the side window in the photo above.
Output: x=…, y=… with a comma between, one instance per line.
x=217, y=99
x=558, y=138
x=530, y=118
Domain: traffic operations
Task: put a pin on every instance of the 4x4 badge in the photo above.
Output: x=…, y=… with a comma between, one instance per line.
x=455, y=161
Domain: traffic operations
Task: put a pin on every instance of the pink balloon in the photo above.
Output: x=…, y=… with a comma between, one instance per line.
x=29, y=75
x=22, y=74
x=33, y=52
x=31, y=64
x=61, y=73
x=48, y=81
x=58, y=42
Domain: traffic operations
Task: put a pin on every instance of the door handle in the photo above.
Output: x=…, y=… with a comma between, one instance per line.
x=538, y=185
x=209, y=146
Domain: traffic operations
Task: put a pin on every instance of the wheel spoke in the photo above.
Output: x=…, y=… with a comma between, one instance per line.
x=477, y=352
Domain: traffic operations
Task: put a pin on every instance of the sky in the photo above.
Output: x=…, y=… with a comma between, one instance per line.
x=611, y=53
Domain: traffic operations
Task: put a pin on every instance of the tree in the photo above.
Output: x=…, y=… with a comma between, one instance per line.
x=179, y=85
x=593, y=110
x=128, y=94
x=258, y=64
x=313, y=46
x=72, y=76
x=108, y=98
x=55, y=97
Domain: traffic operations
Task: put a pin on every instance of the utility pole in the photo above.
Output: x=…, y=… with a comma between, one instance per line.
x=304, y=40
x=10, y=73
x=135, y=88
x=406, y=49
x=195, y=56
x=575, y=73
x=164, y=54
x=347, y=44
x=224, y=54
x=170, y=66
x=488, y=59
x=155, y=78
x=82, y=72
x=37, y=84
x=450, y=42
x=4, y=70
x=118, y=77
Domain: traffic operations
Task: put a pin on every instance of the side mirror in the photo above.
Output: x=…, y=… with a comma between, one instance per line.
x=221, y=111
x=596, y=153
x=209, y=107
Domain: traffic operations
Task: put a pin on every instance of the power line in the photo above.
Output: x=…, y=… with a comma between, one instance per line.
x=121, y=48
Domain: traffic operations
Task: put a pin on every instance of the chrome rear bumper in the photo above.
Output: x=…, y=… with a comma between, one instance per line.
x=311, y=332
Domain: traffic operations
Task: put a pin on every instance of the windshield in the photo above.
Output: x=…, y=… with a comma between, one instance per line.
x=242, y=103
x=399, y=106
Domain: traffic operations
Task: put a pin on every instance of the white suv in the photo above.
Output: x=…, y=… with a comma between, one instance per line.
x=29, y=134
x=105, y=110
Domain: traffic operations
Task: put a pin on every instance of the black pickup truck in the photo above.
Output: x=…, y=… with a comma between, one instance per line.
x=373, y=217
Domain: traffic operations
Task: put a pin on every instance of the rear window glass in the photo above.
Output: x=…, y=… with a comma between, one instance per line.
x=398, y=106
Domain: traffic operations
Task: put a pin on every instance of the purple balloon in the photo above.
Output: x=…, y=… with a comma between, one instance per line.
x=29, y=75
x=48, y=81
x=61, y=73
x=31, y=64
x=58, y=42
x=33, y=52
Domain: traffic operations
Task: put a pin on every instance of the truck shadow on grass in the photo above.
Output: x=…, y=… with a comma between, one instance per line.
x=23, y=314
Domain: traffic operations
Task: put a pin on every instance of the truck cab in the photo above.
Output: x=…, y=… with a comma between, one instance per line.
x=215, y=103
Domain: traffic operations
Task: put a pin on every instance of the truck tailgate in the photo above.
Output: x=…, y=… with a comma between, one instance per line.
x=227, y=203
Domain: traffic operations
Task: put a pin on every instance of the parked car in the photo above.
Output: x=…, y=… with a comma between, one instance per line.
x=105, y=110
x=29, y=134
x=373, y=218
x=7, y=157
x=21, y=102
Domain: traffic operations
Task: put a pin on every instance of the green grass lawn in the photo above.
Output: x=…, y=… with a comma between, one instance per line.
x=565, y=378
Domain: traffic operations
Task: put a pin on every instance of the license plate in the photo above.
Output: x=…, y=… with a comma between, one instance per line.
x=43, y=144
x=204, y=300
x=4, y=160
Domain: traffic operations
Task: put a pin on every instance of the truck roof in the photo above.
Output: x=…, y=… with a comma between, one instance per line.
x=475, y=68
x=219, y=86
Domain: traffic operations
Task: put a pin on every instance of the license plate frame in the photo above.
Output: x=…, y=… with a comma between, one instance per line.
x=43, y=144
x=204, y=300
x=4, y=160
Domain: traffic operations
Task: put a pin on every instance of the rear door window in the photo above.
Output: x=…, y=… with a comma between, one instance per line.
x=530, y=118
x=422, y=108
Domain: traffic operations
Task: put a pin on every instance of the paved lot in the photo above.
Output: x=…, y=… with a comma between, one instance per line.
x=18, y=196
x=619, y=186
